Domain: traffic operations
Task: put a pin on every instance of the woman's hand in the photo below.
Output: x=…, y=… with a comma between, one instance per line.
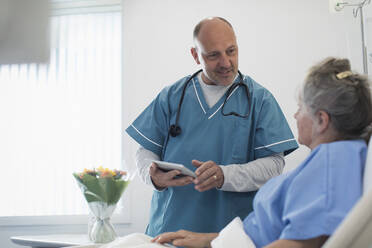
x=186, y=239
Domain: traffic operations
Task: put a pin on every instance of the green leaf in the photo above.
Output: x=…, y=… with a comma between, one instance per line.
x=105, y=189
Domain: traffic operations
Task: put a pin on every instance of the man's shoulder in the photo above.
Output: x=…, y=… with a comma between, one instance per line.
x=177, y=86
x=253, y=84
x=256, y=89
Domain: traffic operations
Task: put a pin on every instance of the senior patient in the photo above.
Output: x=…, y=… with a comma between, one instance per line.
x=303, y=207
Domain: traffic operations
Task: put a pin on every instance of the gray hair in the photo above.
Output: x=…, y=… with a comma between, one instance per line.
x=346, y=98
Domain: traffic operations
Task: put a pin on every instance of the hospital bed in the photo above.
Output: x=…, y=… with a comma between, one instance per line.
x=355, y=231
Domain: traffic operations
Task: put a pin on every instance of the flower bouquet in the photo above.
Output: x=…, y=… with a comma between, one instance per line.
x=102, y=188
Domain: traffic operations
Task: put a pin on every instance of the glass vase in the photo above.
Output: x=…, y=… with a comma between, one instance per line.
x=100, y=229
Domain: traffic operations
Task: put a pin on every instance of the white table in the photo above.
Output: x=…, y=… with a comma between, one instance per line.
x=52, y=241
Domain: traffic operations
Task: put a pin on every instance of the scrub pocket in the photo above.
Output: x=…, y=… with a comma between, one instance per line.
x=241, y=141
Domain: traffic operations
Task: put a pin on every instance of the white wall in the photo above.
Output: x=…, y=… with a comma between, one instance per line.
x=278, y=42
x=368, y=35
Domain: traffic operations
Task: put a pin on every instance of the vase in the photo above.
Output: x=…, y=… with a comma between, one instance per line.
x=100, y=229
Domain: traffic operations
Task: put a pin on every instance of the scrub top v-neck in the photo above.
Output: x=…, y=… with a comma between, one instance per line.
x=208, y=135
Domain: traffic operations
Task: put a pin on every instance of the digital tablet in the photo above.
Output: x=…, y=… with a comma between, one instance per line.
x=166, y=166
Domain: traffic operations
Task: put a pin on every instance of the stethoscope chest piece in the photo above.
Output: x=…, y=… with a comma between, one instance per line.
x=174, y=130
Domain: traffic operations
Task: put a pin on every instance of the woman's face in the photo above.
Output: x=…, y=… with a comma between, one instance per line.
x=305, y=125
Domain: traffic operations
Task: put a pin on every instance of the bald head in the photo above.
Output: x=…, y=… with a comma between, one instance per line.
x=216, y=50
x=209, y=20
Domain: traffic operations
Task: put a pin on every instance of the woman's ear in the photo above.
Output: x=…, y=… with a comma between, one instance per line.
x=323, y=121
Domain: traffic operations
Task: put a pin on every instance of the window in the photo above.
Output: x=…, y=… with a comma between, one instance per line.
x=64, y=116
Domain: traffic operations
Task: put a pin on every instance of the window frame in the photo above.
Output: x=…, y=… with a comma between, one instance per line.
x=50, y=220
x=74, y=7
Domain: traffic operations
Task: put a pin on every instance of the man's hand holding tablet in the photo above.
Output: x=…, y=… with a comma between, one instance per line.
x=167, y=166
x=165, y=174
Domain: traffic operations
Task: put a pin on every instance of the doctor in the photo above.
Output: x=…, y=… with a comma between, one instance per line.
x=219, y=123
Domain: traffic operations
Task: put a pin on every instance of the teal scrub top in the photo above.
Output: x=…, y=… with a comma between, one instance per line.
x=208, y=135
x=311, y=200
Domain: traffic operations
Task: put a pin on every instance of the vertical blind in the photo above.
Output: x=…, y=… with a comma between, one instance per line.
x=61, y=117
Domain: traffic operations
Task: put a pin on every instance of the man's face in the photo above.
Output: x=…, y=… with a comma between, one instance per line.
x=217, y=52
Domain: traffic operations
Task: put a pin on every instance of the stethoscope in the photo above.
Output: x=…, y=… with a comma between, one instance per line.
x=175, y=129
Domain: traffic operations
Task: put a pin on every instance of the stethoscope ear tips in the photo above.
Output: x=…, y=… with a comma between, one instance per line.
x=174, y=130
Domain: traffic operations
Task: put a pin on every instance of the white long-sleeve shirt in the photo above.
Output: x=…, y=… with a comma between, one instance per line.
x=237, y=177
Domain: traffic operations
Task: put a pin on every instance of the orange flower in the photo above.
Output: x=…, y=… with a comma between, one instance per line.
x=106, y=174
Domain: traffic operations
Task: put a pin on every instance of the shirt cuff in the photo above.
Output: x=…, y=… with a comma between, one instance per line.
x=226, y=186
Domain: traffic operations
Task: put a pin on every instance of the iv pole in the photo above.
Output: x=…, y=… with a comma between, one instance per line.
x=358, y=8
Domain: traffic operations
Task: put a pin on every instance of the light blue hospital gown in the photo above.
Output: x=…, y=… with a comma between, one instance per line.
x=208, y=135
x=311, y=200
